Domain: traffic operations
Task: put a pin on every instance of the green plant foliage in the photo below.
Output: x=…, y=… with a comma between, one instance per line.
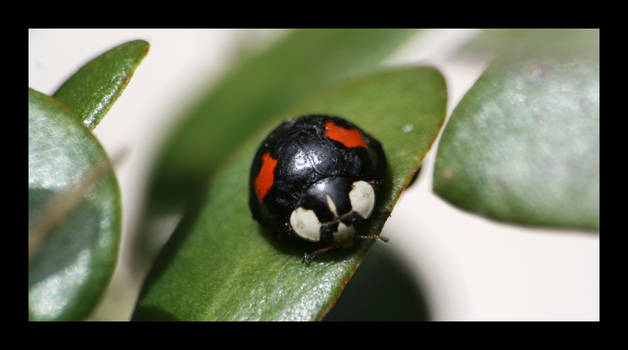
x=255, y=89
x=221, y=265
x=523, y=144
x=92, y=90
x=74, y=251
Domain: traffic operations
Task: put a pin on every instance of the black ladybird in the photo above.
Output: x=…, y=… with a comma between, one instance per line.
x=316, y=177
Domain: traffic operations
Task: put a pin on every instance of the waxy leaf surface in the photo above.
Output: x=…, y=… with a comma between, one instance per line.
x=220, y=264
x=256, y=88
x=75, y=258
x=92, y=90
x=523, y=144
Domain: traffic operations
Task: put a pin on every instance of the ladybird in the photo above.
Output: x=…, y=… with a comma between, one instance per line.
x=315, y=177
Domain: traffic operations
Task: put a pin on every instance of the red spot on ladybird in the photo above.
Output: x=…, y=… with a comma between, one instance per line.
x=266, y=177
x=348, y=137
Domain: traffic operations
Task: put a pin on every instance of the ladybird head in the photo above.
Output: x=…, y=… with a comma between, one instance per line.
x=331, y=210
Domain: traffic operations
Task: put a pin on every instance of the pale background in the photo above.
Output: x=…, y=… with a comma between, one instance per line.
x=471, y=268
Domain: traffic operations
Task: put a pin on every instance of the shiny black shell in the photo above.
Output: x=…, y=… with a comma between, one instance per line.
x=303, y=155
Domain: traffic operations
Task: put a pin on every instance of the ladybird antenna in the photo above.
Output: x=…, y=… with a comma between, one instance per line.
x=379, y=238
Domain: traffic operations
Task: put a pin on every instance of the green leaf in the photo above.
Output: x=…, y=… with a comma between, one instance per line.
x=523, y=144
x=92, y=90
x=256, y=89
x=221, y=265
x=74, y=213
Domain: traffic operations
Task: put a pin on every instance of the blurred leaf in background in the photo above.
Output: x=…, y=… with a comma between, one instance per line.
x=253, y=90
x=73, y=252
x=74, y=203
x=517, y=43
x=221, y=265
x=522, y=146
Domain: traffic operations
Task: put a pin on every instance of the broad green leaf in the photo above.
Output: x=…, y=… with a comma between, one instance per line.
x=523, y=144
x=74, y=250
x=256, y=89
x=221, y=265
x=92, y=90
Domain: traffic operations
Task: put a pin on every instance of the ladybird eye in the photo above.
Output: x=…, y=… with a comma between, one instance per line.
x=362, y=197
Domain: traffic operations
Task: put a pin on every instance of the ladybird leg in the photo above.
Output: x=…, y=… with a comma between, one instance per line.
x=380, y=238
x=381, y=214
x=307, y=257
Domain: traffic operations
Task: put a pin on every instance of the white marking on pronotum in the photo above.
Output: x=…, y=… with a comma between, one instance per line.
x=306, y=224
x=331, y=205
x=362, y=197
